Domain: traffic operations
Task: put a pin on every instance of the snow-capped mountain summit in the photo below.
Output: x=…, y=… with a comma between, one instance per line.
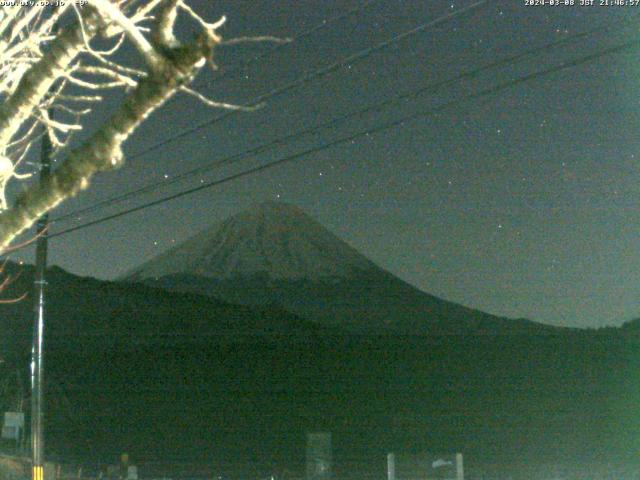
x=275, y=254
x=272, y=239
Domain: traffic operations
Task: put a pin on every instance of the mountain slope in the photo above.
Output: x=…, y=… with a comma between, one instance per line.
x=271, y=238
x=274, y=253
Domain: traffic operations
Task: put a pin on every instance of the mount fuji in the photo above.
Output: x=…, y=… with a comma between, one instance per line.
x=275, y=254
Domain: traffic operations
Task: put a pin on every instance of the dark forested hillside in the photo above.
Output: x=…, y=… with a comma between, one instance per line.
x=177, y=377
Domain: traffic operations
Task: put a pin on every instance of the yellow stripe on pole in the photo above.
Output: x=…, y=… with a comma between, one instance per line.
x=38, y=473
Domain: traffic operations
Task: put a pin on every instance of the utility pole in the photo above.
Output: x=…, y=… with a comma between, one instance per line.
x=37, y=348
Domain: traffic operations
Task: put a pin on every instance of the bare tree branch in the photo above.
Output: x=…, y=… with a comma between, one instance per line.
x=215, y=104
x=174, y=66
x=36, y=82
x=47, y=70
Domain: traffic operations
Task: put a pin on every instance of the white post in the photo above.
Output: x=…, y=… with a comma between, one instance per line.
x=459, y=467
x=391, y=466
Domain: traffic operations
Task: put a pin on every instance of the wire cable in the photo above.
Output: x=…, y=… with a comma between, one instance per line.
x=317, y=74
x=385, y=126
x=331, y=123
x=237, y=67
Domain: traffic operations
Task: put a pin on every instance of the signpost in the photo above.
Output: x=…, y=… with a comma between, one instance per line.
x=13, y=426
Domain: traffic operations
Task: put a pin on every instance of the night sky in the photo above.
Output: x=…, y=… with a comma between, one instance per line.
x=523, y=203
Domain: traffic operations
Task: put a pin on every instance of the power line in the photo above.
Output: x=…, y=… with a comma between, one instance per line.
x=385, y=126
x=333, y=122
x=298, y=36
x=237, y=67
x=353, y=58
